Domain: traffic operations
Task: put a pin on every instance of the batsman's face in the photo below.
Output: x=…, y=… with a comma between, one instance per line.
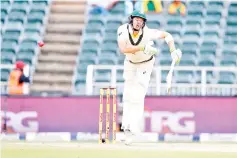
x=138, y=23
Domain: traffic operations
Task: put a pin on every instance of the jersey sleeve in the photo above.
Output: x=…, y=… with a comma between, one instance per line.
x=23, y=78
x=155, y=34
x=121, y=34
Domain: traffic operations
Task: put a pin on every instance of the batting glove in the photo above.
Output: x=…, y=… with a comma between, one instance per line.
x=176, y=55
x=149, y=50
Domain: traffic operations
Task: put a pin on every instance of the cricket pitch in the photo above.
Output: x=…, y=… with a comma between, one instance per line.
x=94, y=150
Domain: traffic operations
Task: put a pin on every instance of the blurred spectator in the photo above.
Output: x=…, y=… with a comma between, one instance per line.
x=177, y=7
x=149, y=6
x=130, y=5
x=19, y=79
x=101, y=6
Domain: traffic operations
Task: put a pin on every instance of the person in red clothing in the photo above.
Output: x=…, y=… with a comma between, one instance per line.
x=17, y=79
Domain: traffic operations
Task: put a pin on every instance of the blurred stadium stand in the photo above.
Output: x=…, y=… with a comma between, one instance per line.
x=22, y=26
x=62, y=40
x=206, y=35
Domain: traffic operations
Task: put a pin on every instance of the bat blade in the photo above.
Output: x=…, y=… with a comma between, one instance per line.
x=169, y=78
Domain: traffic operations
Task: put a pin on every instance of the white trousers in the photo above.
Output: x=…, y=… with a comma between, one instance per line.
x=137, y=78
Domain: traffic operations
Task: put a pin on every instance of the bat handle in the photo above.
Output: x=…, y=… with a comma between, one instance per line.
x=172, y=64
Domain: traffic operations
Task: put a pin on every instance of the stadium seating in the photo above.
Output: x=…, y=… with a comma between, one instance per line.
x=22, y=27
x=205, y=36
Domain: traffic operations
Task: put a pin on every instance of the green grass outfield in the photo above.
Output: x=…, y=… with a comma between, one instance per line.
x=118, y=150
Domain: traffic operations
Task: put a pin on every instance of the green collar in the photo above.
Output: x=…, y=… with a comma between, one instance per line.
x=131, y=40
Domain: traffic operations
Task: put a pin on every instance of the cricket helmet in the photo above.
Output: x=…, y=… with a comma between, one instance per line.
x=136, y=13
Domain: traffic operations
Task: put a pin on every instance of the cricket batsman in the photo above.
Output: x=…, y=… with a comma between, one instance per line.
x=135, y=41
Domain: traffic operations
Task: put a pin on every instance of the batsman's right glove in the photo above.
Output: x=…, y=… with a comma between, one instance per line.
x=176, y=55
x=149, y=50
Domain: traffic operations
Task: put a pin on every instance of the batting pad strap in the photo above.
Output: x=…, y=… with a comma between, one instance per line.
x=168, y=38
